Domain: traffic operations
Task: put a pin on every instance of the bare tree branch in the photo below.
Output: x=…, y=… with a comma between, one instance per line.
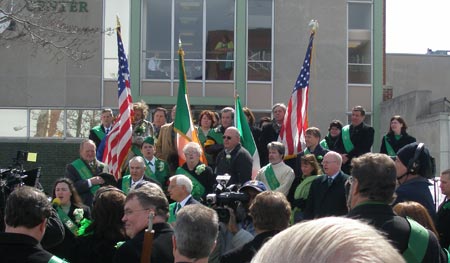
x=43, y=24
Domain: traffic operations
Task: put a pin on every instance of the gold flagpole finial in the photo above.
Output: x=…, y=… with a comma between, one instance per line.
x=180, y=45
x=314, y=25
x=117, y=21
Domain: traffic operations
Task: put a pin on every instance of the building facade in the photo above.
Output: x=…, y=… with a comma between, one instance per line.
x=255, y=47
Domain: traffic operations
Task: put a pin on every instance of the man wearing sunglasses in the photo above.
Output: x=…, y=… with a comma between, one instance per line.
x=234, y=159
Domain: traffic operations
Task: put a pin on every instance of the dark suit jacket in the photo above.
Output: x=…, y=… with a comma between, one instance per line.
x=192, y=201
x=130, y=251
x=94, y=137
x=146, y=178
x=396, y=144
x=82, y=185
x=362, y=138
x=396, y=228
x=269, y=133
x=239, y=166
x=327, y=201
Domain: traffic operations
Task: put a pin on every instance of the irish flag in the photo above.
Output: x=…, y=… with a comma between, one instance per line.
x=247, y=140
x=183, y=125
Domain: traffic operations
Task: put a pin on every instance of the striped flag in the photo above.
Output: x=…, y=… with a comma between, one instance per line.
x=118, y=140
x=183, y=124
x=292, y=133
x=247, y=140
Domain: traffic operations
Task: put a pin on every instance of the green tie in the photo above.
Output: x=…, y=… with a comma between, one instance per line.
x=178, y=208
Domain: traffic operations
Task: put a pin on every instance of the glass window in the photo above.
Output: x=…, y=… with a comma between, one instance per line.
x=219, y=39
x=17, y=123
x=259, y=40
x=359, y=16
x=79, y=122
x=47, y=123
x=158, y=28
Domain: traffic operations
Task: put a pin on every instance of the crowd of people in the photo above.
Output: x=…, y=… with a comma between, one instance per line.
x=336, y=195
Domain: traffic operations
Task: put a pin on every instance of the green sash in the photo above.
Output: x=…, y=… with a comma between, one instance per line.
x=198, y=190
x=56, y=259
x=65, y=219
x=126, y=184
x=271, y=178
x=417, y=243
x=306, y=151
x=172, y=215
x=348, y=144
x=324, y=144
x=99, y=132
x=161, y=171
x=389, y=149
x=84, y=172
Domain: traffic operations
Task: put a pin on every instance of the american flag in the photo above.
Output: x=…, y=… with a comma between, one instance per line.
x=292, y=133
x=118, y=140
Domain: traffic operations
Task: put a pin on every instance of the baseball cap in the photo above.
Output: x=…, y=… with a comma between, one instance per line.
x=255, y=184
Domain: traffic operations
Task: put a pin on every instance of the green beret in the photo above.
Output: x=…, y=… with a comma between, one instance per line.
x=149, y=140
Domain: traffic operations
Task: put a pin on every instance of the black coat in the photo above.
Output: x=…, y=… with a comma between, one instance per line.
x=66, y=249
x=246, y=252
x=396, y=228
x=443, y=223
x=239, y=166
x=327, y=201
x=269, y=133
x=362, y=139
x=130, y=251
x=396, y=144
x=19, y=248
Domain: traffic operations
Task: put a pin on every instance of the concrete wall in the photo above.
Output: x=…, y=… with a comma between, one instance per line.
x=408, y=72
x=431, y=129
x=328, y=69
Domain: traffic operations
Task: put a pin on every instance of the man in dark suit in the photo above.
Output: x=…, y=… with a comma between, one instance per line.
x=138, y=205
x=372, y=186
x=327, y=194
x=84, y=172
x=180, y=188
x=270, y=132
x=137, y=175
x=234, y=159
x=97, y=133
x=357, y=138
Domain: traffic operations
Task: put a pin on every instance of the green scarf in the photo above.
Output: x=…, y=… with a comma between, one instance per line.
x=389, y=149
x=65, y=219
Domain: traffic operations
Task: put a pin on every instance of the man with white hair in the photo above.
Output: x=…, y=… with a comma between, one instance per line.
x=137, y=175
x=327, y=194
x=234, y=159
x=180, y=188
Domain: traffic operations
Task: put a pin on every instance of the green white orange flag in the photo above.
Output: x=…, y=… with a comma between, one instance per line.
x=183, y=124
x=247, y=140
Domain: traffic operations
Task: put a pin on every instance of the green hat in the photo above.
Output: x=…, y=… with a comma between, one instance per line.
x=149, y=140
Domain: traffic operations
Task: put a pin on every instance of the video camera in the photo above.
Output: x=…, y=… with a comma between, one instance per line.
x=16, y=176
x=226, y=197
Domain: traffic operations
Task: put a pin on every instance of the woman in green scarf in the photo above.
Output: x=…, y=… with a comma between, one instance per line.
x=310, y=169
x=397, y=137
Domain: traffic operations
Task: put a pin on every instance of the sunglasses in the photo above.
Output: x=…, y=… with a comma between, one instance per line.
x=226, y=137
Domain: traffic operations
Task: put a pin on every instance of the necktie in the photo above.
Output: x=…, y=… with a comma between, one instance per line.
x=178, y=208
x=150, y=163
x=107, y=130
x=330, y=181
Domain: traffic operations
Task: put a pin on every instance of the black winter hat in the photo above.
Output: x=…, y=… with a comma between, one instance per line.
x=406, y=154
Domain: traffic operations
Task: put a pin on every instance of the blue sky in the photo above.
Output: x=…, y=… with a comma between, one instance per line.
x=412, y=26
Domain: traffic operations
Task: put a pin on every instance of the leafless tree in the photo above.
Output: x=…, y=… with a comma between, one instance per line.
x=44, y=23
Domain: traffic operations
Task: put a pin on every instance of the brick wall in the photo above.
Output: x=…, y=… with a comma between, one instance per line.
x=52, y=157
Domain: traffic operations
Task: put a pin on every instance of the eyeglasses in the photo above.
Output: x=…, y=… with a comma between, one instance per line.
x=130, y=212
x=226, y=137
